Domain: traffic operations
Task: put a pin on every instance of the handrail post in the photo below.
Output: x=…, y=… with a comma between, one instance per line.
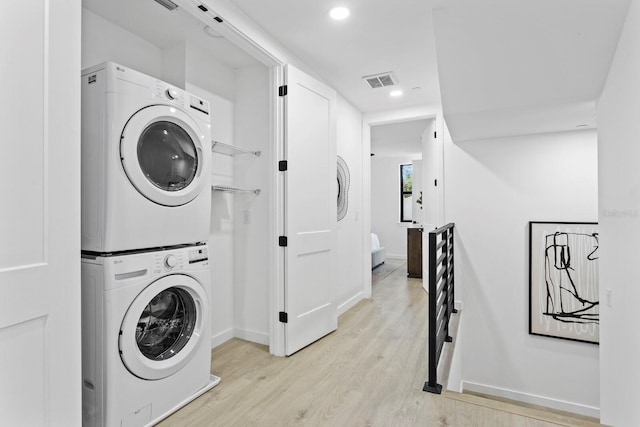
x=453, y=288
x=432, y=383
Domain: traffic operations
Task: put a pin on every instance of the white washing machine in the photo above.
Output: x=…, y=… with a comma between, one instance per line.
x=146, y=348
x=146, y=155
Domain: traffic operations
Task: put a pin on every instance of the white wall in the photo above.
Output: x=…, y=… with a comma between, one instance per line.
x=209, y=73
x=385, y=205
x=493, y=188
x=252, y=217
x=205, y=76
x=619, y=184
x=350, y=285
x=104, y=41
x=173, y=64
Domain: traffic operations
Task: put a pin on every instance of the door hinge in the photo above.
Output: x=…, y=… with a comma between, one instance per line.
x=218, y=19
x=435, y=182
x=283, y=165
x=282, y=241
x=203, y=8
x=435, y=134
x=282, y=90
x=284, y=318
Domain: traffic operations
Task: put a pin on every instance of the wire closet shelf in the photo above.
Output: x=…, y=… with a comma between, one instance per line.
x=230, y=150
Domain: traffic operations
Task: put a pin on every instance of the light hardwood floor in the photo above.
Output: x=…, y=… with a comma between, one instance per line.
x=370, y=372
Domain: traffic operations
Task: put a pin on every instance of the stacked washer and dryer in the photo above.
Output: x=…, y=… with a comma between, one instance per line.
x=146, y=206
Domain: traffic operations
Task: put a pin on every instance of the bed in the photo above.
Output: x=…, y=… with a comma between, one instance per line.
x=378, y=254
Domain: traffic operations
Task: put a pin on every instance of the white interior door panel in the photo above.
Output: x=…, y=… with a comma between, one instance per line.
x=311, y=210
x=40, y=215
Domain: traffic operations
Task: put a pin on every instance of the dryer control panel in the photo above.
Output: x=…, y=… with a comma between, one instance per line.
x=169, y=93
x=165, y=92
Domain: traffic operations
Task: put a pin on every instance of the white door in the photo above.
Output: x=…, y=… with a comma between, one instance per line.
x=429, y=200
x=40, y=380
x=311, y=210
x=429, y=178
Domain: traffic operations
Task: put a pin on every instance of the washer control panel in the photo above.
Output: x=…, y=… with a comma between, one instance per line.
x=198, y=255
x=169, y=261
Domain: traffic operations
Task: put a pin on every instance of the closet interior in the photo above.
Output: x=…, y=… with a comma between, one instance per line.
x=173, y=46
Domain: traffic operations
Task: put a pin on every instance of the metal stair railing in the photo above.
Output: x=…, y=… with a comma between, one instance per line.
x=441, y=299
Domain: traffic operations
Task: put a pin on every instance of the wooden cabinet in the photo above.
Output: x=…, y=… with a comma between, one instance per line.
x=414, y=252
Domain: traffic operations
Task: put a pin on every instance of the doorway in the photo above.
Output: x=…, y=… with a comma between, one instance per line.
x=401, y=144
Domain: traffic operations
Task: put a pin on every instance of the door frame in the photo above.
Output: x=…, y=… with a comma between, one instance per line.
x=385, y=118
x=236, y=28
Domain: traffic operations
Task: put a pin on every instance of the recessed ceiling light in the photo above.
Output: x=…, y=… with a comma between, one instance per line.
x=395, y=93
x=339, y=13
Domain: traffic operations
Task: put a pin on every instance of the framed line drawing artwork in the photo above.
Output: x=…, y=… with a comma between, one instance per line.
x=563, y=280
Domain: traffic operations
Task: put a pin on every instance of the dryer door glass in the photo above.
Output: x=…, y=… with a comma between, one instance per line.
x=166, y=324
x=167, y=156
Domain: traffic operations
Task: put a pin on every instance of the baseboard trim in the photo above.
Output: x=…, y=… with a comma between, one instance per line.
x=533, y=399
x=345, y=306
x=253, y=336
x=221, y=338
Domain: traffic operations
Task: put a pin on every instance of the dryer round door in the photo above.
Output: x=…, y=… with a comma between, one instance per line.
x=163, y=327
x=162, y=152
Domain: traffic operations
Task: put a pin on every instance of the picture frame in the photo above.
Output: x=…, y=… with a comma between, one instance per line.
x=563, y=280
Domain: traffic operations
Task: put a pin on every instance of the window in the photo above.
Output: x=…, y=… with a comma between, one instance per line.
x=406, y=193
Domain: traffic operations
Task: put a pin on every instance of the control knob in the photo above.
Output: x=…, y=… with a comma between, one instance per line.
x=172, y=93
x=170, y=261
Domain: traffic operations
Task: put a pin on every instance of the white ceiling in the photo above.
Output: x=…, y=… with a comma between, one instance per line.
x=399, y=139
x=379, y=36
x=165, y=28
x=523, y=66
x=503, y=67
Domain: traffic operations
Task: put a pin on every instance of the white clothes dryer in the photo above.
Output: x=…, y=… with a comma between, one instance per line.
x=146, y=347
x=146, y=155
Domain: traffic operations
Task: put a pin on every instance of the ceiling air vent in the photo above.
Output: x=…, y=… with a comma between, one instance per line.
x=167, y=3
x=381, y=80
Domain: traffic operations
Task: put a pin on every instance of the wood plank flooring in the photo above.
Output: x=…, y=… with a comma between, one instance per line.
x=370, y=372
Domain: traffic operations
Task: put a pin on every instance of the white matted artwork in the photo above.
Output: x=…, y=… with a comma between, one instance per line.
x=563, y=280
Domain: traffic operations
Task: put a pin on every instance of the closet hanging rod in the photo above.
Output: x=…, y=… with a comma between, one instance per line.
x=230, y=150
x=228, y=189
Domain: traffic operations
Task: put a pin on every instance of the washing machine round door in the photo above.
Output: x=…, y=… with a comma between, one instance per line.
x=163, y=327
x=163, y=154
